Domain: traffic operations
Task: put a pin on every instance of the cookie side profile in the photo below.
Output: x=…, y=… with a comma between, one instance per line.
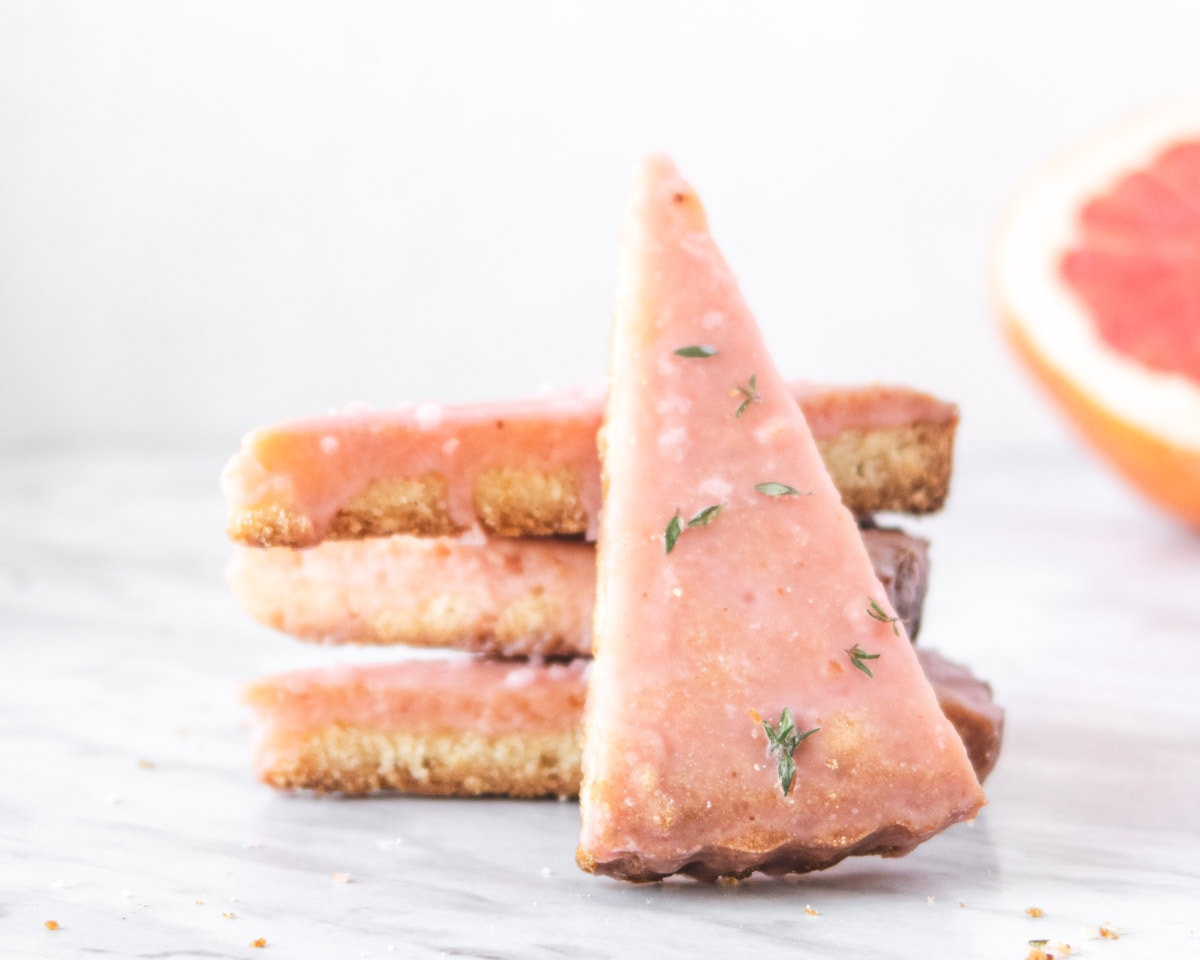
x=458, y=727
x=529, y=468
x=491, y=595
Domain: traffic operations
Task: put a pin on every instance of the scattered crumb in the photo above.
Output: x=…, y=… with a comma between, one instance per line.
x=342, y=878
x=251, y=845
x=810, y=911
x=831, y=763
x=229, y=914
x=260, y=942
x=755, y=715
x=146, y=764
x=962, y=903
x=929, y=899
x=1035, y=912
x=51, y=924
x=1037, y=953
x=199, y=902
x=1063, y=949
x=1109, y=933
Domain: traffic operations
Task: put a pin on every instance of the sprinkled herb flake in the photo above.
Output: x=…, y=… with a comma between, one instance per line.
x=749, y=393
x=773, y=489
x=783, y=739
x=674, y=529
x=876, y=612
x=858, y=655
x=706, y=516
x=697, y=351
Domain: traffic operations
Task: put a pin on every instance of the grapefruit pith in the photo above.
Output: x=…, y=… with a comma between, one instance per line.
x=1097, y=273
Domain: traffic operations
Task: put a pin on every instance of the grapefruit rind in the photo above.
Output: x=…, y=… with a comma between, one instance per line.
x=1050, y=323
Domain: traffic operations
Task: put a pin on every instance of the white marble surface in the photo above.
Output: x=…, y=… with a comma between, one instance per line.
x=128, y=813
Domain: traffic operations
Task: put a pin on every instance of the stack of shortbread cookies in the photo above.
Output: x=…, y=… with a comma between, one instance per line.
x=471, y=529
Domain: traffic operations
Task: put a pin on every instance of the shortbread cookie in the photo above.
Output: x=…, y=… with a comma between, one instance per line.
x=461, y=727
x=530, y=468
x=967, y=703
x=359, y=730
x=494, y=595
x=754, y=703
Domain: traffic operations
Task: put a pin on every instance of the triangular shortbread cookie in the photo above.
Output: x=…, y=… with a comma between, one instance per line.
x=737, y=610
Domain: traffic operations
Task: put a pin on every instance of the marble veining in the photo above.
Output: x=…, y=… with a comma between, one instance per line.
x=128, y=813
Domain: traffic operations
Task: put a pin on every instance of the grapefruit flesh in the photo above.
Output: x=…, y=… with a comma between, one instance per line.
x=1137, y=264
x=1097, y=272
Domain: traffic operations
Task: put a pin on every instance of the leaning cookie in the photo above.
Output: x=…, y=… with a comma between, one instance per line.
x=530, y=468
x=493, y=595
x=471, y=727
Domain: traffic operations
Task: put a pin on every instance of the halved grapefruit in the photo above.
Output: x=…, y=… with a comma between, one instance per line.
x=1097, y=273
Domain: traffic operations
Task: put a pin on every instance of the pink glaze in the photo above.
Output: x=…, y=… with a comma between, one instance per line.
x=314, y=466
x=359, y=591
x=749, y=615
x=461, y=694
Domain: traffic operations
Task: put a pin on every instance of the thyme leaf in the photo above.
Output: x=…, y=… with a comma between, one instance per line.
x=876, y=612
x=773, y=489
x=783, y=739
x=671, y=535
x=706, y=516
x=858, y=655
x=750, y=393
x=698, y=351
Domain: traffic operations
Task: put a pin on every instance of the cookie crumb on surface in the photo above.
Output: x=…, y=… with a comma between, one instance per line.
x=1109, y=933
x=51, y=924
x=1035, y=912
x=260, y=942
x=342, y=878
x=229, y=914
x=810, y=911
x=146, y=764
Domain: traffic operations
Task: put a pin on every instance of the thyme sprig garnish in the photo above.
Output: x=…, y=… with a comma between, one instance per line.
x=675, y=525
x=697, y=351
x=671, y=534
x=773, y=489
x=783, y=739
x=749, y=393
x=858, y=655
x=707, y=515
x=876, y=612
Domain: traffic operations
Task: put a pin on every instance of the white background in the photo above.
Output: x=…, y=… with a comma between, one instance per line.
x=214, y=215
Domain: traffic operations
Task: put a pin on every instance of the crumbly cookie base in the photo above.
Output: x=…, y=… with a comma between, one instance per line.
x=354, y=760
